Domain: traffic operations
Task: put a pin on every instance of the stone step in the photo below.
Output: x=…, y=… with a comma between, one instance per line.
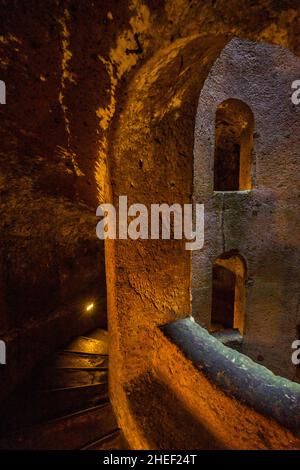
x=33, y=407
x=53, y=378
x=72, y=431
x=99, y=334
x=76, y=360
x=71, y=399
x=86, y=345
x=114, y=441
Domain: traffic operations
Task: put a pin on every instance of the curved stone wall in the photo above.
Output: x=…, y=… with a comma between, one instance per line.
x=80, y=99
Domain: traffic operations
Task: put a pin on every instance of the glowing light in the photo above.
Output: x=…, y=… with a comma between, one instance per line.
x=89, y=307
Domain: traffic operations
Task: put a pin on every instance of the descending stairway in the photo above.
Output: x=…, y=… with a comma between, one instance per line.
x=65, y=404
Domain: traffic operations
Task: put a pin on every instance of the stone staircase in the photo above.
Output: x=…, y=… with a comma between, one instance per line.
x=65, y=403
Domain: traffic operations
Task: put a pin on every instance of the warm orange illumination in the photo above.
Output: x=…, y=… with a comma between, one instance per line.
x=89, y=307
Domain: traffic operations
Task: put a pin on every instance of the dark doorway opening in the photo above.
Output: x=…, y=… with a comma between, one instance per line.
x=223, y=294
x=233, y=146
x=228, y=293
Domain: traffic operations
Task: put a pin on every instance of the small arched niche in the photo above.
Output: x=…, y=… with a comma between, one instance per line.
x=233, y=146
x=228, y=293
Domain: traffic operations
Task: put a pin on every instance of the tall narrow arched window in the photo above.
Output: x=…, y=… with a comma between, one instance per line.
x=228, y=293
x=233, y=146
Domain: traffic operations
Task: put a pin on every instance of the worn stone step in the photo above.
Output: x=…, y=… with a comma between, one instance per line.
x=99, y=334
x=53, y=378
x=83, y=344
x=76, y=360
x=114, y=441
x=35, y=406
x=72, y=431
x=65, y=400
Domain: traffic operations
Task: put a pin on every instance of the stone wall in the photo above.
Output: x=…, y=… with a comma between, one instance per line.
x=93, y=86
x=261, y=224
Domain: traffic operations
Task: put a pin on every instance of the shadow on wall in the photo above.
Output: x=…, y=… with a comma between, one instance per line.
x=152, y=402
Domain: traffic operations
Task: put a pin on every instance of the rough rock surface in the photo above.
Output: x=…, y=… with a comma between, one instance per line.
x=261, y=224
x=93, y=86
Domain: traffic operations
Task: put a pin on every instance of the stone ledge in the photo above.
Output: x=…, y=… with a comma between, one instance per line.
x=237, y=375
x=230, y=338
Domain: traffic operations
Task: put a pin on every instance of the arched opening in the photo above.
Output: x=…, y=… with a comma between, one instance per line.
x=228, y=293
x=233, y=146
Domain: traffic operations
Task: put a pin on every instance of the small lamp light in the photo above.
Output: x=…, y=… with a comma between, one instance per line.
x=89, y=307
